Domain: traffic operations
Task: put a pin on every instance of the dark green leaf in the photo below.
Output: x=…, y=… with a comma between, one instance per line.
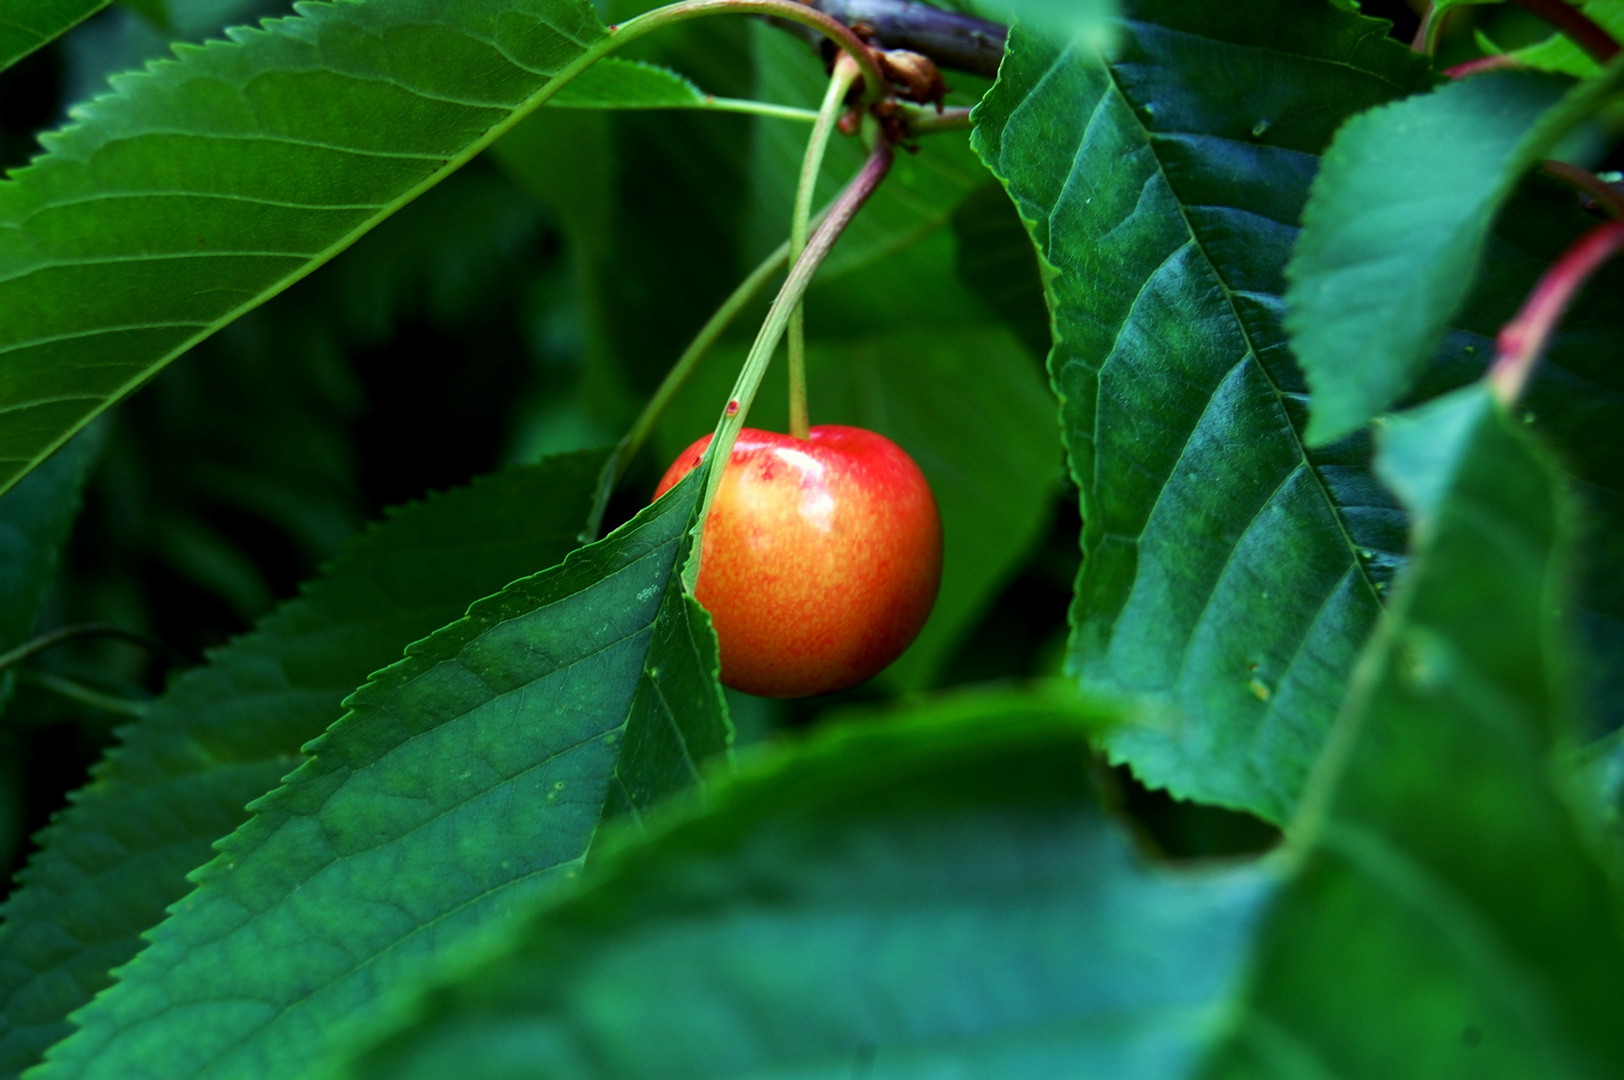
x=934, y=895
x=1576, y=401
x=628, y=84
x=1395, y=227
x=468, y=776
x=1229, y=574
x=227, y=732
x=1449, y=918
x=36, y=519
x=25, y=25
x=205, y=185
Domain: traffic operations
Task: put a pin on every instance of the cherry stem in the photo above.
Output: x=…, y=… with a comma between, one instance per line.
x=874, y=85
x=840, y=81
x=1579, y=28
x=1426, y=35
x=1607, y=197
x=625, y=451
x=1523, y=339
x=772, y=330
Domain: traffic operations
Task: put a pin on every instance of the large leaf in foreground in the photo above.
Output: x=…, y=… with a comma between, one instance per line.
x=937, y=895
x=205, y=185
x=1229, y=574
x=1449, y=918
x=26, y=25
x=465, y=778
x=1395, y=227
x=227, y=732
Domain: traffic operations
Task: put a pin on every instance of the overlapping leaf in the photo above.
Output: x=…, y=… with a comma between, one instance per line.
x=227, y=732
x=25, y=25
x=468, y=776
x=1229, y=573
x=1449, y=918
x=1395, y=227
x=207, y=184
x=36, y=519
x=926, y=896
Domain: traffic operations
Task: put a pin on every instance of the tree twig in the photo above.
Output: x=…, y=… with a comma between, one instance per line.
x=955, y=41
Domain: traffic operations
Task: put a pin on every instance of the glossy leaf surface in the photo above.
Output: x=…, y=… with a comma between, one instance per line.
x=1447, y=884
x=1395, y=226
x=227, y=732
x=931, y=895
x=468, y=776
x=276, y=150
x=1229, y=573
x=25, y=25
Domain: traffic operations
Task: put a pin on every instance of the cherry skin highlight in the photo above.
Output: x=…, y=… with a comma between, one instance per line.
x=821, y=557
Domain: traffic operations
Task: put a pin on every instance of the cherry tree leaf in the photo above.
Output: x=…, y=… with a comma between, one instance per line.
x=1395, y=226
x=1230, y=574
x=1449, y=916
x=204, y=185
x=26, y=25
x=930, y=894
x=225, y=733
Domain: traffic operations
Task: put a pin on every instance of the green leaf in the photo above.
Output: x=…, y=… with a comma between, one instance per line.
x=465, y=778
x=227, y=732
x=1559, y=53
x=628, y=84
x=1090, y=23
x=1395, y=226
x=277, y=150
x=1229, y=574
x=36, y=519
x=26, y=25
x=1447, y=889
x=1576, y=402
x=931, y=895
x=948, y=384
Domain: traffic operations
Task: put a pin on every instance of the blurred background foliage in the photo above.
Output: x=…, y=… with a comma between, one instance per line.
x=528, y=306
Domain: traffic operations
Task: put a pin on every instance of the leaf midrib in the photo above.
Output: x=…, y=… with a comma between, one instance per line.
x=1252, y=352
x=523, y=110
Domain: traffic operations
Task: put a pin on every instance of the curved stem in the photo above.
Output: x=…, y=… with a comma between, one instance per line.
x=1523, y=339
x=834, y=97
x=1607, y=197
x=772, y=328
x=1497, y=62
x=1579, y=27
x=918, y=121
x=51, y=639
x=874, y=84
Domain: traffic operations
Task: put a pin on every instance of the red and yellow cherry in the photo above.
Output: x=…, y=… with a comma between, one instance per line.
x=821, y=557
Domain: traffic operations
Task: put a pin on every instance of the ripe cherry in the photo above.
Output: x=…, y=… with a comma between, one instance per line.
x=821, y=557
